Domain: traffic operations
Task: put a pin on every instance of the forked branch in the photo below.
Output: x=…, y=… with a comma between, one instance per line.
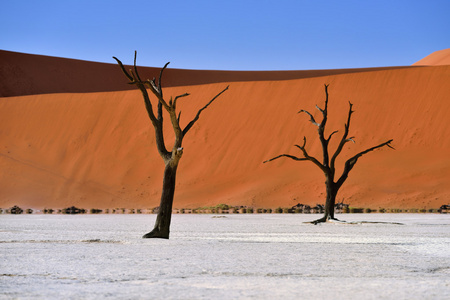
x=133, y=78
x=329, y=137
x=306, y=156
x=122, y=67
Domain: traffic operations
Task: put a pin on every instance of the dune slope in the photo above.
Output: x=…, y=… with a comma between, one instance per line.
x=437, y=58
x=28, y=74
x=97, y=149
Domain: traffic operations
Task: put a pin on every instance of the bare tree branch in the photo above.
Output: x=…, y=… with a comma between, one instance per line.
x=177, y=97
x=132, y=78
x=285, y=155
x=160, y=78
x=311, y=116
x=325, y=110
x=123, y=69
x=305, y=157
x=321, y=110
x=355, y=157
x=321, y=130
x=154, y=89
x=350, y=163
x=189, y=126
x=135, y=68
x=157, y=122
x=308, y=157
x=329, y=137
x=344, y=138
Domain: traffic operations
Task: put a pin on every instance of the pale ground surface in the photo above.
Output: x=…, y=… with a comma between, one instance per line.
x=234, y=257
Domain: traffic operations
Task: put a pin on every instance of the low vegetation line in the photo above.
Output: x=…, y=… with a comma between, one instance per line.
x=224, y=209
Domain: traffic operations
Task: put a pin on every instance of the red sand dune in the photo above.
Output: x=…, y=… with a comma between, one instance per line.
x=27, y=74
x=437, y=58
x=96, y=149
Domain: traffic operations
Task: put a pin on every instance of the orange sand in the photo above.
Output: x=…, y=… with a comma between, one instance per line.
x=441, y=57
x=97, y=149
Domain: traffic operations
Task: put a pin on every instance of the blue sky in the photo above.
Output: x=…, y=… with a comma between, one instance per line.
x=230, y=35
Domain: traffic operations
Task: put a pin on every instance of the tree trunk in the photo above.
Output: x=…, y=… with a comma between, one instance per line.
x=331, y=200
x=332, y=190
x=162, y=224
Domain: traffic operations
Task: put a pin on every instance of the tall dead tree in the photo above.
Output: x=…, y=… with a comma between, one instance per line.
x=328, y=162
x=171, y=158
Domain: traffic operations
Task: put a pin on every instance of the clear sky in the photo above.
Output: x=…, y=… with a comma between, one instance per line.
x=230, y=35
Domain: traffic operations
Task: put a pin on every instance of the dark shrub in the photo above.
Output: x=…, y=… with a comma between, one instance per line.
x=73, y=210
x=15, y=210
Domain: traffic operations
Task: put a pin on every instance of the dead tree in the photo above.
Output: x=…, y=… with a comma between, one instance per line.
x=170, y=158
x=328, y=162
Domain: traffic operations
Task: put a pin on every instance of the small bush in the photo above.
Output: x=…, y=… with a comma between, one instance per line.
x=222, y=206
x=15, y=210
x=73, y=210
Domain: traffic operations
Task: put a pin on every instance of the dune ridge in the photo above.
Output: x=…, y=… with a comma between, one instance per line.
x=28, y=74
x=97, y=149
x=438, y=58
